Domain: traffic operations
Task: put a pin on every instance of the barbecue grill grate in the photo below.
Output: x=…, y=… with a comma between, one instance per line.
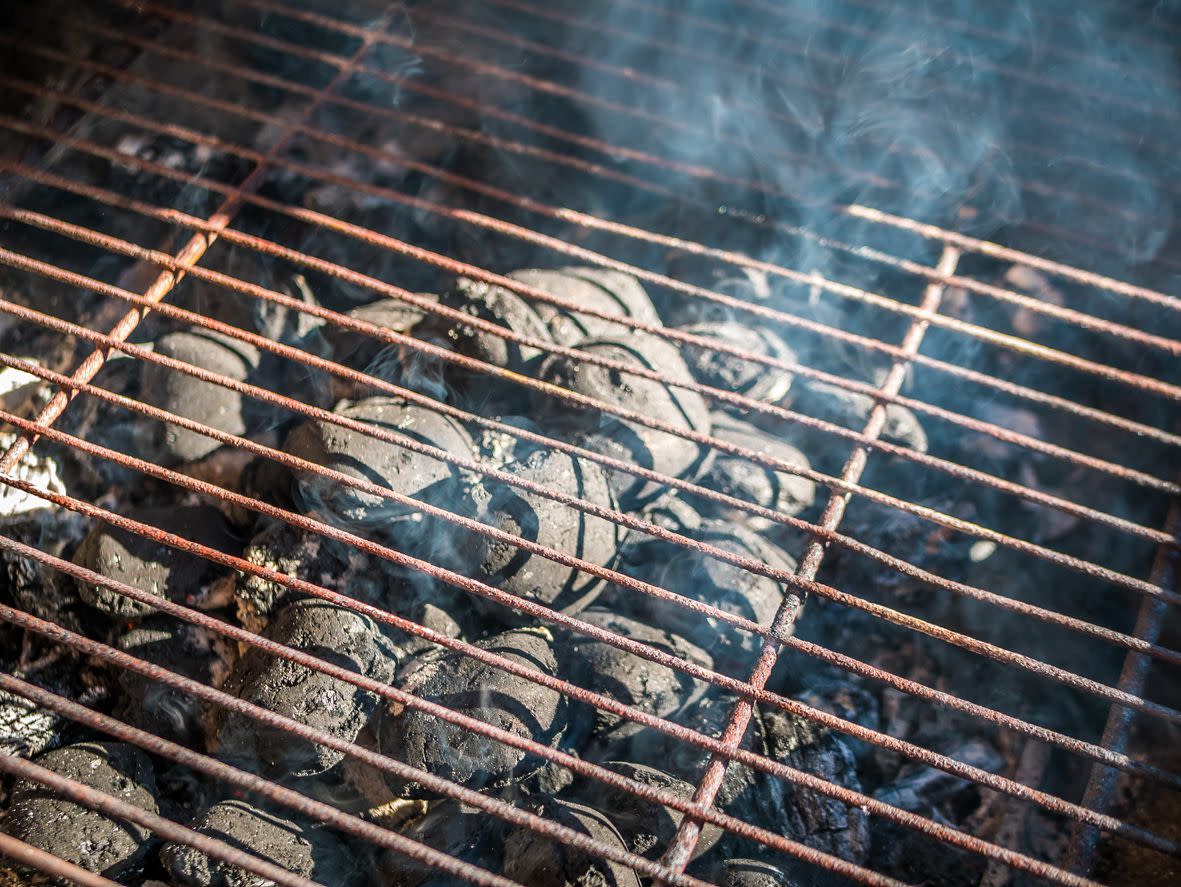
x=1050, y=365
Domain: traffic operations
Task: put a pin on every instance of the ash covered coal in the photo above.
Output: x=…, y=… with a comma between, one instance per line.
x=196, y=399
x=331, y=633
x=530, y=858
x=85, y=837
x=132, y=559
x=546, y=522
x=647, y=447
x=472, y=688
x=273, y=834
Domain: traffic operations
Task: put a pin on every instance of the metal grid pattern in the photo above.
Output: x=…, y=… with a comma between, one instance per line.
x=953, y=256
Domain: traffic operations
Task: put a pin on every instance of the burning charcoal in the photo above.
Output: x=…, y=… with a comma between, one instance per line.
x=77, y=834
x=729, y=373
x=277, y=836
x=552, y=524
x=747, y=480
x=746, y=873
x=180, y=647
x=646, y=827
x=600, y=289
x=647, y=447
x=311, y=697
x=359, y=350
x=501, y=307
x=814, y=819
x=456, y=829
x=387, y=464
x=152, y=566
x=851, y=409
x=628, y=678
x=195, y=399
x=480, y=691
x=540, y=861
x=728, y=587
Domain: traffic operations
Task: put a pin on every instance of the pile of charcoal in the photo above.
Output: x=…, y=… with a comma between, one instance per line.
x=464, y=468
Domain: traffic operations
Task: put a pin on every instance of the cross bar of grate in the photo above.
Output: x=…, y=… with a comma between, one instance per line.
x=680, y=850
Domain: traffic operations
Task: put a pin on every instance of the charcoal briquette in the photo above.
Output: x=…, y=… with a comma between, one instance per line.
x=541, y=861
x=275, y=835
x=195, y=399
x=546, y=522
x=358, y=350
x=626, y=677
x=152, y=566
x=339, y=636
x=852, y=408
x=661, y=451
x=502, y=307
x=456, y=829
x=735, y=374
x=482, y=691
x=181, y=647
x=746, y=479
x=707, y=713
x=647, y=827
x=720, y=584
x=599, y=289
x=77, y=834
x=386, y=464
x=746, y=873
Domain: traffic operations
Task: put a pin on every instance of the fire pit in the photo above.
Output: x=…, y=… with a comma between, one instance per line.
x=531, y=443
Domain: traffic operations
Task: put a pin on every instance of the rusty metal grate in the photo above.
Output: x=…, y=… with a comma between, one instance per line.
x=1104, y=414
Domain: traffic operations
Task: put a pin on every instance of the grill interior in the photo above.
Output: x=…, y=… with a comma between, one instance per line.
x=958, y=222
